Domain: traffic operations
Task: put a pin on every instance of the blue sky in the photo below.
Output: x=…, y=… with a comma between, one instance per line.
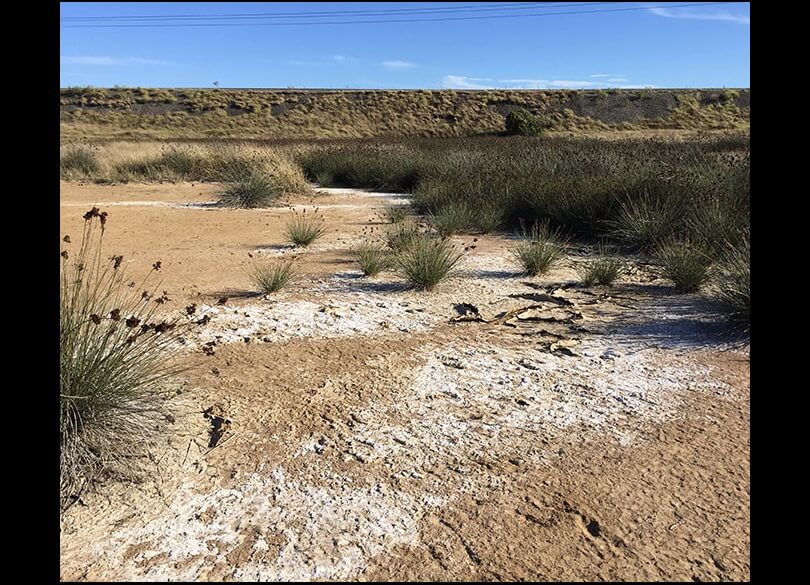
x=702, y=45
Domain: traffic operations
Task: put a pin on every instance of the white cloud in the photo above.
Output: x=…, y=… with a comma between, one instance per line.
x=110, y=61
x=724, y=15
x=342, y=59
x=396, y=65
x=462, y=82
x=572, y=84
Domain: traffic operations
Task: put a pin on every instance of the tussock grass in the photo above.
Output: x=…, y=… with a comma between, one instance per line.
x=685, y=265
x=304, y=229
x=117, y=354
x=603, y=270
x=251, y=191
x=452, y=219
x=734, y=282
x=400, y=236
x=646, y=222
x=396, y=214
x=538, y=249
x=427, y=261
x=272, y=276
x=489, y=217
x=124, y=162
x=78, y=162
x=372, y=258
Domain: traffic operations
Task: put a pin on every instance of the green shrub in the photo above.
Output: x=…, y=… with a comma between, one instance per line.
x=270, y=277
x=116, y=356
x=371, y=258
x=538, y=249
x=304, y=229
x=521, y=122
x=685, y=265
x=427, y=261
x=251, y=191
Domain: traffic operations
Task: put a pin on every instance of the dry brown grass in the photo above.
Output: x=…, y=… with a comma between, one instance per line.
x=129, y=161
x=173, y=114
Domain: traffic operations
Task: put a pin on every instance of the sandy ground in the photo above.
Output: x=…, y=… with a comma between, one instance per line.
x=561, y=434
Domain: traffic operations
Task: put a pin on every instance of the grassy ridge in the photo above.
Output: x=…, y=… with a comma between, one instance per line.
x=201, y=113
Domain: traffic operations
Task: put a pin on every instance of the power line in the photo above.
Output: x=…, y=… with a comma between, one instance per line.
x=451, y=18
x=379, y=12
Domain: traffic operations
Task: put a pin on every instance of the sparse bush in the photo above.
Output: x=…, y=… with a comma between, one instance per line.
x=304, y=229
x=538, y=249
x=400, y=236
x=371, y=258
x=270, y=277
x=451, y=219
x=78, y=161
x=521, y=122
x=685, y=265
x=734, y=281
x=116, y=357
x=252, y=191
x=427, y=261
x=603, y=270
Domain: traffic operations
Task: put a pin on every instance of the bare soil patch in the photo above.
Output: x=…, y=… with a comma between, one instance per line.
x=501, y=427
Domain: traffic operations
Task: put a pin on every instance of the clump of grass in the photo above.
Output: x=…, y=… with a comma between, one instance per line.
x=427, y=261
x=538, y=249
x=645, y=222
x=401, y=235
x=372, y=258
x=116, y=356
x=603, y=270
x=304, y=229
x=78, y=161
x=683, y=264
x=251, y=191
x=270, y=277
x=324, y=178
x=489, y=218
x=396, y=214
x=451, y=219
x=734, y=282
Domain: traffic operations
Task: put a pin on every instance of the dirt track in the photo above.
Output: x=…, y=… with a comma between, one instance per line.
x=589, y=434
